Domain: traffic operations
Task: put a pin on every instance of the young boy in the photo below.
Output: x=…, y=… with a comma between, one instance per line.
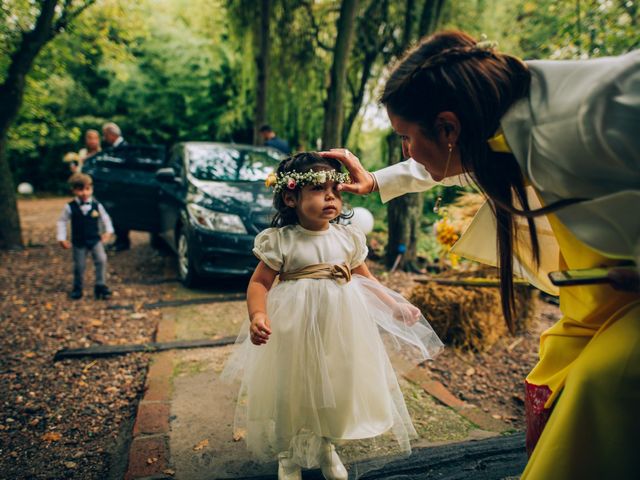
x=85, y=214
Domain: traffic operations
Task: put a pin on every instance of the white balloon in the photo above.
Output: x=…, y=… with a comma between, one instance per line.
x=363, y=219
x=25, y=188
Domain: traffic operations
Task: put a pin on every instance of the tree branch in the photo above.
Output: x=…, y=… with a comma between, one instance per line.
x=69, y=14
x=316, y=29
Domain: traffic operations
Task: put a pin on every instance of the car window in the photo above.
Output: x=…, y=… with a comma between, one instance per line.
x=213, y=162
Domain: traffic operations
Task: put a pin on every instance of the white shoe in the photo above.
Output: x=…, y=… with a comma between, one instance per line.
x=287, y=470
x=330, y=463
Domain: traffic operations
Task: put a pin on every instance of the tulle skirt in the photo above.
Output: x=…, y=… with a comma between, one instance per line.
x=325, y=371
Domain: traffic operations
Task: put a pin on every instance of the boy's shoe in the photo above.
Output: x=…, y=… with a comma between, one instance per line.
x=75, y=294
x=102, y=292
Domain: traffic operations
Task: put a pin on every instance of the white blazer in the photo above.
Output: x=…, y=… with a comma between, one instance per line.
x=577, y=135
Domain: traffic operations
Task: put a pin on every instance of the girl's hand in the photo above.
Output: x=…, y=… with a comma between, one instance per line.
x=260, y=329
x=624, y=279
x=406, y=313
x=362, y=181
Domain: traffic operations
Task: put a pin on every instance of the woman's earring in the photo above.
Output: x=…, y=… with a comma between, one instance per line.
x=436, y=207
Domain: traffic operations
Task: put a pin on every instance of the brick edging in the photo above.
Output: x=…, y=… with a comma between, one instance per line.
x=472, y=413
x=149, y=453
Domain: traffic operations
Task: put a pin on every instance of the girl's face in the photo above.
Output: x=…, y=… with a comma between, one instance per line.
x=316, y=205
x=432, y=154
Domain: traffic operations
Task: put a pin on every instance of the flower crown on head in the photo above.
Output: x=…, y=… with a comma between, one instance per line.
x=292, y=180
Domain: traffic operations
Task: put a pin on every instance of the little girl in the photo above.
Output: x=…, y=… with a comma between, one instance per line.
x=315, y=369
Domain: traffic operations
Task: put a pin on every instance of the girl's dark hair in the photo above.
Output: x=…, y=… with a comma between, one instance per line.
x=300, y=162
x=450, y=71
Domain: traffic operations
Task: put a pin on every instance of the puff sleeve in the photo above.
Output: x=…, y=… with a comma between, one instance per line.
x=267, y=248
x=360, y=243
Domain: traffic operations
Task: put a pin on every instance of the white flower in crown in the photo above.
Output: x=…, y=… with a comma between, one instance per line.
x=322, y=177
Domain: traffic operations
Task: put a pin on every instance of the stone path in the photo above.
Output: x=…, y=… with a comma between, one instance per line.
x=184, y=425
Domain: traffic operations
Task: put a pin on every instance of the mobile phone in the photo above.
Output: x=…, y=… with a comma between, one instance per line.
x=586, y=276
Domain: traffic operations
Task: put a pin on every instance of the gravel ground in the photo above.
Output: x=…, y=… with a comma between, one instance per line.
x=69, y=419
x=494, y=379
x=72, y=419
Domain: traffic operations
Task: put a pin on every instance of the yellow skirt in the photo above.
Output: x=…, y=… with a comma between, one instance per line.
x=589, y=379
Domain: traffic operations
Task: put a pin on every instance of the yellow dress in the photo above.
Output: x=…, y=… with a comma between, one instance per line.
x=590, y=362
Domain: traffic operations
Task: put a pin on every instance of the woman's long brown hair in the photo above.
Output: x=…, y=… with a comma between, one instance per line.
x=449, y=71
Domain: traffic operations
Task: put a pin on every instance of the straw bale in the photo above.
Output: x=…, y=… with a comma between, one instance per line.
x=470, y=317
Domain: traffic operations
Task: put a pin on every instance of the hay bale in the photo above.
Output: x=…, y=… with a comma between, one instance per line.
x=470, y=317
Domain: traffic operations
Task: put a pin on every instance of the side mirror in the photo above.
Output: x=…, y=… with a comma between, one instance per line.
x=166, y=175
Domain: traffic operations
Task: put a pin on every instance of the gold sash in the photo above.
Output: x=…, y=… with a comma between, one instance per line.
x=339, y=273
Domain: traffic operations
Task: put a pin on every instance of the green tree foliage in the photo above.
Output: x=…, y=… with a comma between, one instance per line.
x=170, y=70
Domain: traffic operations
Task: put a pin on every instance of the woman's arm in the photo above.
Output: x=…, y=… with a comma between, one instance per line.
x=403, y=177
x=260, y=283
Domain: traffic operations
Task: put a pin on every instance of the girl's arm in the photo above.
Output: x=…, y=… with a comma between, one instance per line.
x=402, y=311
x=260, y=283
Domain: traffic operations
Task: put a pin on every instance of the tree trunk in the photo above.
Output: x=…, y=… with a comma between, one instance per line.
x=371, y=43
x=11, y=95
x=333, y=111
x=403, y=216
x=262, y=70
x=430, y=17
x=10, y=233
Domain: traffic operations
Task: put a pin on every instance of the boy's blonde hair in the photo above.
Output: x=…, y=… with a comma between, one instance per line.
x=78, y=181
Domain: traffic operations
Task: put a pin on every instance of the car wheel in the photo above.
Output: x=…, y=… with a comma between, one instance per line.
x=186, y=272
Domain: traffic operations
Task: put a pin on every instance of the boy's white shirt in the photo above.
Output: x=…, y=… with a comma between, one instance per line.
x=65, y=217
x=575, y=136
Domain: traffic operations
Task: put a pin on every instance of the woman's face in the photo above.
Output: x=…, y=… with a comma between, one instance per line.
x=92, y=140
x=432, y=154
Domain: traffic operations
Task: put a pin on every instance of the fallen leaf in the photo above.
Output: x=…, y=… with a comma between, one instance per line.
x=470, y=371
x=169, y=471
x=138, y=316
x=239, y=434
x=51, y=437
x=95, y=322
x=70, y=464
x=201, y=445
x=151, y=460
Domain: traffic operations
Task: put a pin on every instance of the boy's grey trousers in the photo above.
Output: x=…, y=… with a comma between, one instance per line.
x=80, y=264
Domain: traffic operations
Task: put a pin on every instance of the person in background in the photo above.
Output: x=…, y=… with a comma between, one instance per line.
x=272, y=140
x=92, y=144
x=85, y=214
x=554, y=147
x=112, y=136
x=113, y=139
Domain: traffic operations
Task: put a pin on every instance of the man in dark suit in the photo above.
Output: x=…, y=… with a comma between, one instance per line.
x=113, y=139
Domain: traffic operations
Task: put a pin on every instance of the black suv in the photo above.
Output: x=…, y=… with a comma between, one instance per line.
x=213, y=201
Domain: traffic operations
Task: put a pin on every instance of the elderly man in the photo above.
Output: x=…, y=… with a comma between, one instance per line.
x=112, y=136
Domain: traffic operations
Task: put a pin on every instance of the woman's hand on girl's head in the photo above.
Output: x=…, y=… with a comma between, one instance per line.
x=260, y=330
x=362, y=181
x=406, y=313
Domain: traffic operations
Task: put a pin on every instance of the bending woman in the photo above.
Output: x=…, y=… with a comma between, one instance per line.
x=555, y=148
